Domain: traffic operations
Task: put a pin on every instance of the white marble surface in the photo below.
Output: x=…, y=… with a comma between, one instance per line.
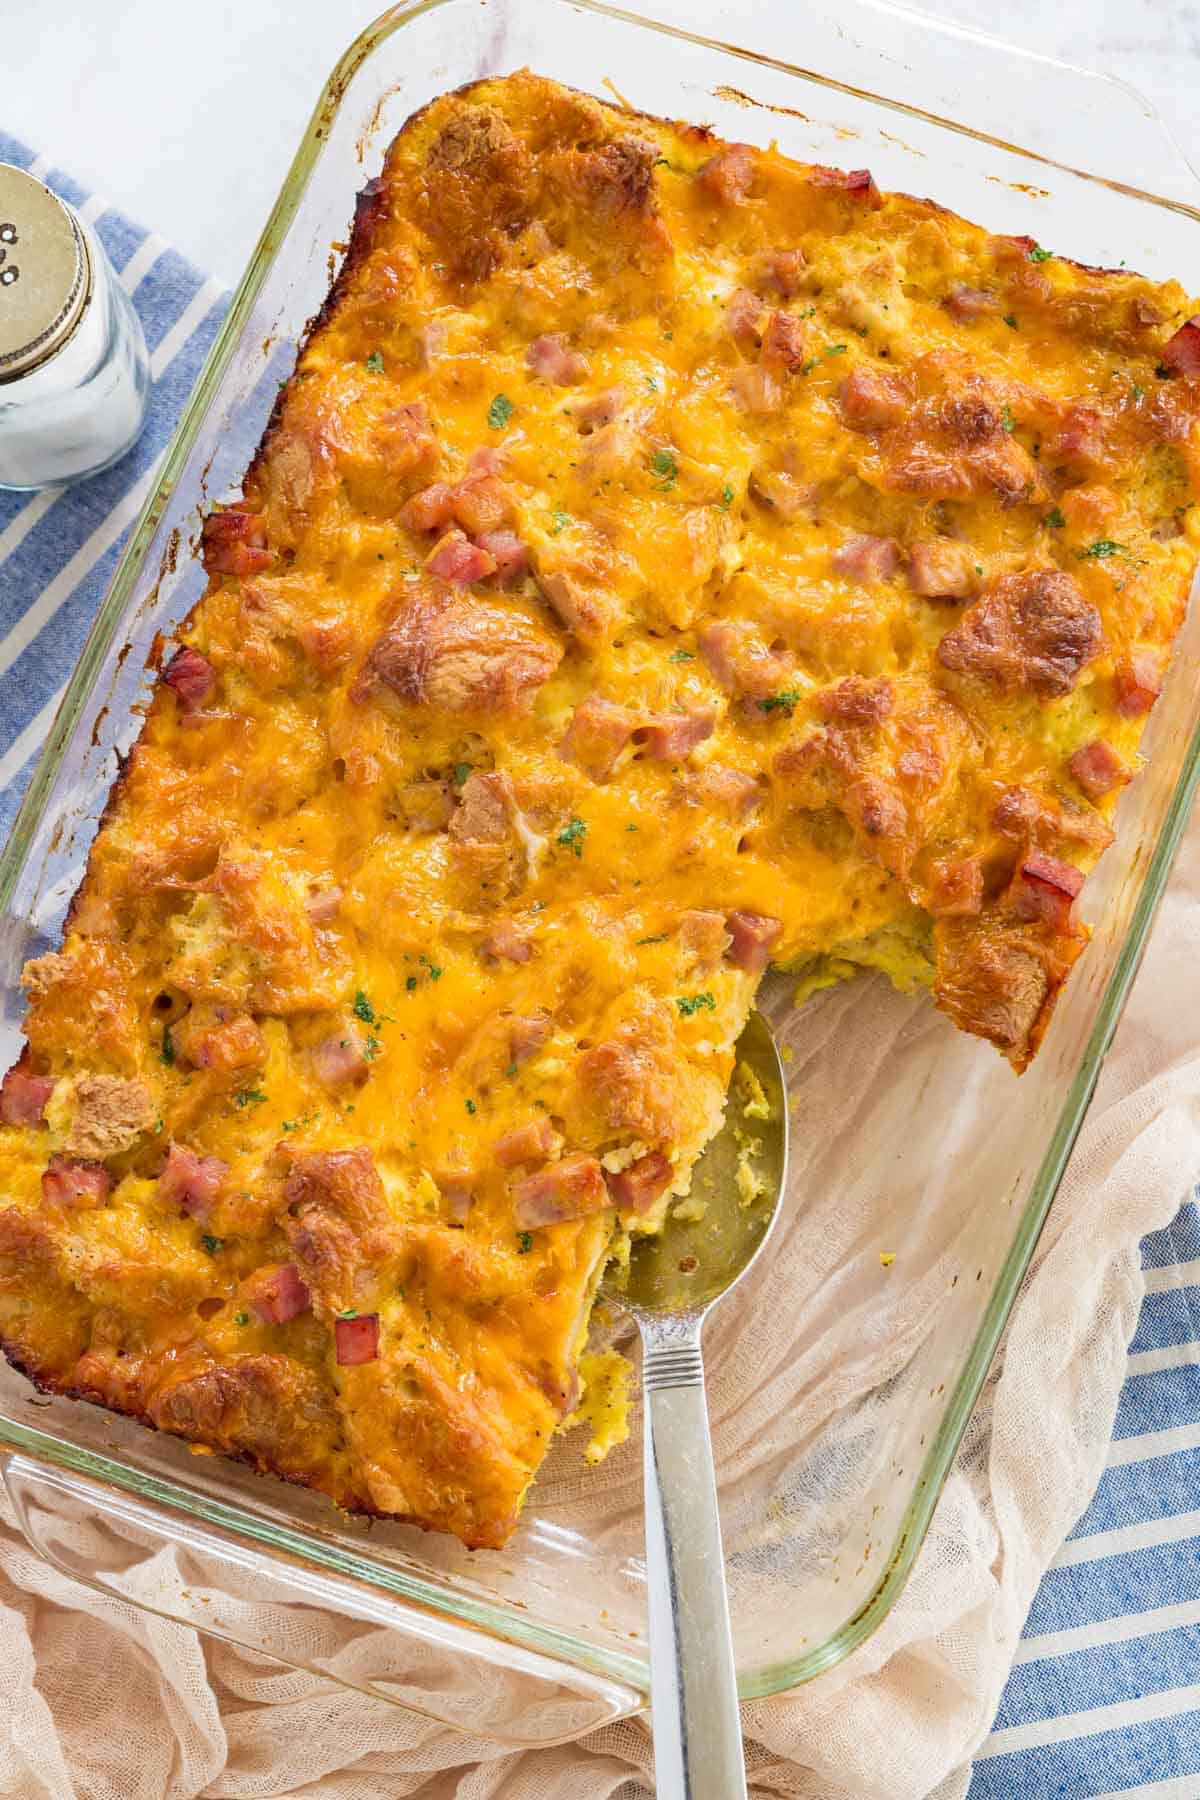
x=185, y=114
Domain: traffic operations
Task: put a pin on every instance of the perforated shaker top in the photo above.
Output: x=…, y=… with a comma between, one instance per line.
x=45, y=273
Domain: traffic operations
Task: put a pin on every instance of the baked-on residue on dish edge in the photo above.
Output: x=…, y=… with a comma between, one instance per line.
x=666, y=557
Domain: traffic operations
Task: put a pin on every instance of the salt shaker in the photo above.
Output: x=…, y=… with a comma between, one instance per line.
x=74, y=373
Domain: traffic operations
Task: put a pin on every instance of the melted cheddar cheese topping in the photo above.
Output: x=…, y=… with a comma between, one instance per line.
x=665, y=558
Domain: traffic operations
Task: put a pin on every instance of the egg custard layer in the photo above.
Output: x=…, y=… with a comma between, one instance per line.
x=665, y=559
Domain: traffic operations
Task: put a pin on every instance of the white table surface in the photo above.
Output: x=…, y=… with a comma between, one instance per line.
x=185, y=113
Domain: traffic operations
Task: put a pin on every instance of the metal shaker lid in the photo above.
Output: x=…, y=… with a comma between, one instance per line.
x=45, y=273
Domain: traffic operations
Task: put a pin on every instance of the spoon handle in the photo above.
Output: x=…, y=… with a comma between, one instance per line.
x=693, y=1683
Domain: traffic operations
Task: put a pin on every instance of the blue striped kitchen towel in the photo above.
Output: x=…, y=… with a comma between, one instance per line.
x=1104, y=1698
x=58, y=550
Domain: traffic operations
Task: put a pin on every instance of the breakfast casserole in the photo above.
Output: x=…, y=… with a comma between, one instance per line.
x=666, y=559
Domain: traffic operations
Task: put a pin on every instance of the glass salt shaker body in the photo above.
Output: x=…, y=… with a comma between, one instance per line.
x=74, y=371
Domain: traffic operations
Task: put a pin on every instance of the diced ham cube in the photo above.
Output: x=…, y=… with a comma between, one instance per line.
x=23, y=1098
x=486, y=460
x=744, y=317
x=1098, y=769
x=356, y=1339
x=191, y=1182
x=871, y=402
x=430, y=509
x=942, y=569
x=563, y=1190
x=532, y=1142
x=783, y=341
x=778, y=272
x=235, y=543
x=736, y=656
x=867, y=558
x=190, y=677
x=671, y=736
x=1044, y=889
x=216, y=1037
x=324, y=904
x=1182, y=352
x=552, y=358
x=599, y=411
x=1080, y=437
x=277, y=1293
x=965, y=303
x=482, y=503
x=506, y=550
x=506, y=942
x=727, y=176
x=756, y=390
x=341, y=1060
x=859, y=184
x=956, y=887
x=82, y=1185
x=527, y=1032
x=455, y=558
x=1138, y=682
x=598, y=733
x=636, y=1188
x=752, y=938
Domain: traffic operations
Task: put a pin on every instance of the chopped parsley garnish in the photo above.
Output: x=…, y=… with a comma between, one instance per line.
x=1139, y=393
x=1054, y=519
x=683, y=656
x=167, y=1053
x=460, y=773
x=1007, y=422
x=210, y=1243
x=1037, y=254
x=665, y=468
x=524, y=1242
x=372, y=1047
x=807, y=312
x=350, y=1312
x=375, y=363
x=559, y=520
x=364, y=1010
x=500, y=412
x=835, y=350
x=1011, y=322
x=726, y=500
x=784, y=702
x=1101, y=550
x=631, y=828
x=1162, y=371
x=241, y=1318
x=572, y=836
x=250, y=1097
x=692, y=1003
x=297, y=1124
x=470, y=1105
x=660, y=938
x=511, y=1070
x=434, y=972
x=411, y=983
x=651, y=384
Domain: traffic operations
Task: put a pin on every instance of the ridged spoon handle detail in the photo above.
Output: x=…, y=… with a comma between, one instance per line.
x=693, y=1684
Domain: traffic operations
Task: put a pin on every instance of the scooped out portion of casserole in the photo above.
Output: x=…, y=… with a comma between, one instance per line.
x=666, y=559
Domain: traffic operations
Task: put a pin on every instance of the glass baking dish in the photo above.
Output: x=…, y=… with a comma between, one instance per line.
x=830, y=1502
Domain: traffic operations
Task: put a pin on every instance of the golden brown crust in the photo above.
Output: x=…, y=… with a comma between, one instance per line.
x=664, y=557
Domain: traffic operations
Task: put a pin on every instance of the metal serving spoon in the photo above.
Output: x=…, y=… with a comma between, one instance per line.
x=673, y=1280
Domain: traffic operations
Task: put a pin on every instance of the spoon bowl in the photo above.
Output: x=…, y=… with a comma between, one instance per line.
x=738, y=1182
